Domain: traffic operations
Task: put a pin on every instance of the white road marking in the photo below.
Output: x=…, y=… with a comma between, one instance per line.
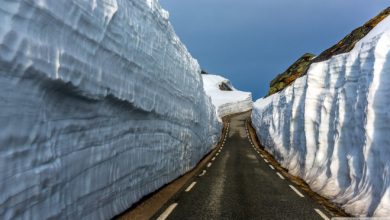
x=216, y=154
x=167, y=212
x=209, y=164
x=266, y=160
x=261, y=156
x=213, y=159
x=272, y=167
x=296, y=191
x=203, y=173
x=321, y=214
x=190, y=186
x=280, y=175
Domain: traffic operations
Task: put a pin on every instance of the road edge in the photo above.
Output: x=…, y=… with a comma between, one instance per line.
x=150, y=204
x=333, y=209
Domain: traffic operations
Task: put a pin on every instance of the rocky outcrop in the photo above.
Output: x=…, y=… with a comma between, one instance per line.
x=299, y=68
x=296, y=70
x=349, y=41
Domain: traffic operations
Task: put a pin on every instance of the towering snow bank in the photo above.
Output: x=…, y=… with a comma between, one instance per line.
x=226, y=101
x=100, y=104
x=332, y=126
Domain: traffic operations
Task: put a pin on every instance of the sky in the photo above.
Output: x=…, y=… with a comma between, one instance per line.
x=251, y=41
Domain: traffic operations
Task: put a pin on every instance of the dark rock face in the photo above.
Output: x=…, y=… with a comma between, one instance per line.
x=224, y=87
x=349, y=41
x=203, y=72
x=296, y=70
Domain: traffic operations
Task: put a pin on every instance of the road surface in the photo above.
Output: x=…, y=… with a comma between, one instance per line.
x=237, y=183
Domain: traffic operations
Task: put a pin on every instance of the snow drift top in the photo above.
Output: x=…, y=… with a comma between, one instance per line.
x=226, y=99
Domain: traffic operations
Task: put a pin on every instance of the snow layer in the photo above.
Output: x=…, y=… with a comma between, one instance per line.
x=226, y=102
x=332, y=126
x=100, y=104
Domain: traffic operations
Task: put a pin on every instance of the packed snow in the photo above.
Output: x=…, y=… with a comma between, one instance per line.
x=226, y=102
x=332, y=126
x=101, y=104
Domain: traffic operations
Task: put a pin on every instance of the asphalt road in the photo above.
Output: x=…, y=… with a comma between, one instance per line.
x=239, y=184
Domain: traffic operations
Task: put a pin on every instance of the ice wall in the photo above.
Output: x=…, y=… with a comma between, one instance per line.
x=101, y=104
x=332, y=126
x=226, y=102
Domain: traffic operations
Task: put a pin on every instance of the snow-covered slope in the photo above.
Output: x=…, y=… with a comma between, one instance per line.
x=226, y=102
x=332, y=126
x=100, y=104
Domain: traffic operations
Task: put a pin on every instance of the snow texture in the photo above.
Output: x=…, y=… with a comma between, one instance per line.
x=332, y=126
x=226, y=102
x=101, y=104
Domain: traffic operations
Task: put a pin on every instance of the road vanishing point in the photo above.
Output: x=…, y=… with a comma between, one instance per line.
x=238, y=183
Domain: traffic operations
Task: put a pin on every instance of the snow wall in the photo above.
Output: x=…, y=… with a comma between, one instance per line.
x=226, y=102
x=332, y=127
x=101, y=104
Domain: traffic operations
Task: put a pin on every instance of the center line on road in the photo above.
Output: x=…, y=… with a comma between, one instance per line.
x=296, y=191
x=280, y=175
x=167, y=212
x=266, y=160
x=203, y=173
x=209, y=164
x=321, y=214
x=272, y=167
x=190, y=186
x=213, y=159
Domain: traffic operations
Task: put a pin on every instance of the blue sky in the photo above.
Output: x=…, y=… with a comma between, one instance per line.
x=251, y=41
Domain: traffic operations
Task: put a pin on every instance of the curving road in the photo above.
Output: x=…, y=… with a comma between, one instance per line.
x=237, y=183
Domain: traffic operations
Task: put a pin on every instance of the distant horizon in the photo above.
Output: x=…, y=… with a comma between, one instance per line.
x=253, y=46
